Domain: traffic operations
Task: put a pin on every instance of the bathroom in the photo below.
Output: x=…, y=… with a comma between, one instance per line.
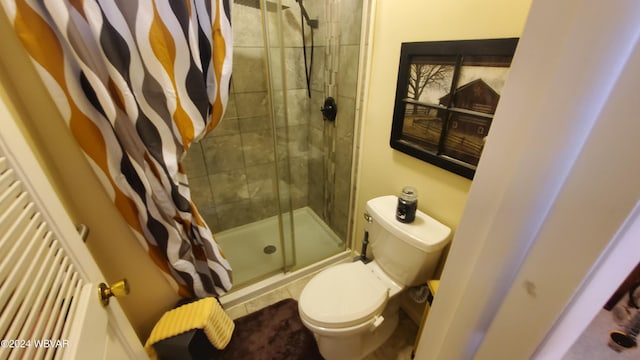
x=442, y=194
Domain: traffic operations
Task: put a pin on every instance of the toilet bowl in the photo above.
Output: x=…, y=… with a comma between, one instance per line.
x=352, y=308
x=347, y=307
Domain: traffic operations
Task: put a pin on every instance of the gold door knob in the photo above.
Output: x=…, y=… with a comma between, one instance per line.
x=118, y=289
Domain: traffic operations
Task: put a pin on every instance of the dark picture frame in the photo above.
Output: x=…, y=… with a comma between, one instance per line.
x=446, y=96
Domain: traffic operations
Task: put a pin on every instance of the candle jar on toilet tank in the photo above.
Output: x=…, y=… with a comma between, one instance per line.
x=407, y=205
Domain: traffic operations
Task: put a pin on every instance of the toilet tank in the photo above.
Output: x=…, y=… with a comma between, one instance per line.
x=408, y=253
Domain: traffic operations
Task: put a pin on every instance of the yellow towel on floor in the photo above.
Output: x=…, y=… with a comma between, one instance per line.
x=205, y=314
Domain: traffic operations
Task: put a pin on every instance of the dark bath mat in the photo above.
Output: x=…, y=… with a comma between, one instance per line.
x=272, y=333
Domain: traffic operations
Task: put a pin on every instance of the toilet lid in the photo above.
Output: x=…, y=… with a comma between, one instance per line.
x=342, y=295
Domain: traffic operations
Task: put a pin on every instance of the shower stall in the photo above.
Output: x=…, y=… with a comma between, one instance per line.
x=274, y=179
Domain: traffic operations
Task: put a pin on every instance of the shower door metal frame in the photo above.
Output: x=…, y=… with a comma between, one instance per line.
x=286, y=265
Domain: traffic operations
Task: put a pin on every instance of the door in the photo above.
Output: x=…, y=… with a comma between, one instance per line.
x=48, y=280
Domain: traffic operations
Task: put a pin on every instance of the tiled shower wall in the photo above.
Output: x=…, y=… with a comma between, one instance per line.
x=232, y=171
x=332, y=143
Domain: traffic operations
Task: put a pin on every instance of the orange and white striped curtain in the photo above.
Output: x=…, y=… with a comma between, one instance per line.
x=138, y=81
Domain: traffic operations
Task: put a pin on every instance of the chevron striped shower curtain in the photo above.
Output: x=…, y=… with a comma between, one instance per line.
x=138, y=81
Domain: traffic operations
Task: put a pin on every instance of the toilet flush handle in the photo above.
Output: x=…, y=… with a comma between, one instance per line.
x=376, y=322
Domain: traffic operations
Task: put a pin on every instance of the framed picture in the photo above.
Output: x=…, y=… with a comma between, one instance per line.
x=446, y=96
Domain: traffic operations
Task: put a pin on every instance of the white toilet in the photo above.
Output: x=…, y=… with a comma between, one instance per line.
x=352, y=308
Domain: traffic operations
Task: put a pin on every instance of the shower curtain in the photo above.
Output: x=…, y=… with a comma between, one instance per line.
x=138, y=81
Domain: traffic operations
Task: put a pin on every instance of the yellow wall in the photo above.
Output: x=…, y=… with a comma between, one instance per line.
x=117, y=252
x=383, y=170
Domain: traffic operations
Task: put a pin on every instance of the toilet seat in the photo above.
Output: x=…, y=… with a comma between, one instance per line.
x=343, y=295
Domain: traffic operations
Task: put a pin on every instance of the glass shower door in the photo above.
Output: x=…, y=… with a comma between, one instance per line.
x=314, y=49
x=273, y=25
x=234, y=172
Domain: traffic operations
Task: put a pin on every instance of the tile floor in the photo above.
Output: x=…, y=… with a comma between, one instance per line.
x=398, y=347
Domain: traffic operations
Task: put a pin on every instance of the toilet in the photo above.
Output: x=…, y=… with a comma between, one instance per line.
x=352, y=308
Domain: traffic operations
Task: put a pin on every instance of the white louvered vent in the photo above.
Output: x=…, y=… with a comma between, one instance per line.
x=39, y=286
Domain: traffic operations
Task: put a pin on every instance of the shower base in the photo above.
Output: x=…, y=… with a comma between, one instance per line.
x=244, y=246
